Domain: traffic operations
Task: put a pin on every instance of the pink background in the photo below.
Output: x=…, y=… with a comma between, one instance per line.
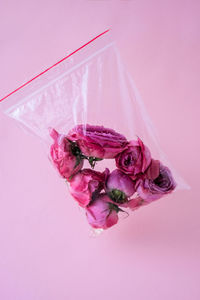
x=45, y=249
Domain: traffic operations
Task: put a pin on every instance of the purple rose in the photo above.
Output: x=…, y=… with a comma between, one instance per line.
x=134, y=159
x=98, y=141
x=86, y=184
x=65, y=155
x=158, y=182
x=119, y=186
x=102, y=213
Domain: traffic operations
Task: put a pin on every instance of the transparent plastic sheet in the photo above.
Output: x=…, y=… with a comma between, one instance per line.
x=89, y=87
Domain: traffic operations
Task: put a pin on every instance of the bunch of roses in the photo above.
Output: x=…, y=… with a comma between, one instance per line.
x=137, y=180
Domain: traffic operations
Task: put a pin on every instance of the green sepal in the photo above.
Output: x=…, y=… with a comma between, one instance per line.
x=70, y=178
x=75, y=149
x=92, y=161
x=78, y=160
x=113, y=206
x=117, y=196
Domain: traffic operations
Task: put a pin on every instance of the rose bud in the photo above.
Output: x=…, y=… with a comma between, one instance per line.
x=134, y=159
x=85, y=185
x=101, y=213
x=119, y=186
x=98, y=141
x=65, y=155
x=158, y=182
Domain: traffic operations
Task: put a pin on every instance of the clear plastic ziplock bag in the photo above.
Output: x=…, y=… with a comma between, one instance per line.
x=99, y=135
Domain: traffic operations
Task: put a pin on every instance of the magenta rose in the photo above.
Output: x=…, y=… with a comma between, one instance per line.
x=119, y=186
x=134, y=159
x=85, y=185
x=66, y=155
x=158, y=182
x=98, y=141
x=101, y=213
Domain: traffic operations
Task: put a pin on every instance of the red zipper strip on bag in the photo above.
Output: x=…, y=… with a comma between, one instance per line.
x=20, y=87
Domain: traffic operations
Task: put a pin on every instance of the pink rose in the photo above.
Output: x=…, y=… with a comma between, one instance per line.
x=101, y=213
x=158, y=182
x=134, y=203
x=119, y=186
x=65, y=155
x=98, y=141
x=134, y=159
x=85, y=185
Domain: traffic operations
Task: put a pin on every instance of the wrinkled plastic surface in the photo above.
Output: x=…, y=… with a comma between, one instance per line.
x=90, y=87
